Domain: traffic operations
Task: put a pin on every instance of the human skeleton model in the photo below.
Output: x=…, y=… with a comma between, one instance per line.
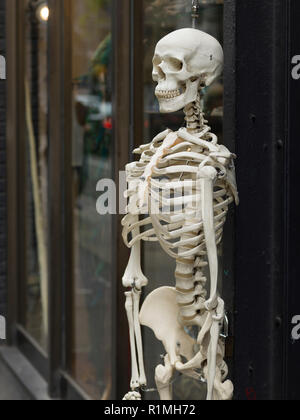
x=178, y=194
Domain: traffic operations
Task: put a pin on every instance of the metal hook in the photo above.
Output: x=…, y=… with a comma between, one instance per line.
x=195, y=12
x=225, y=330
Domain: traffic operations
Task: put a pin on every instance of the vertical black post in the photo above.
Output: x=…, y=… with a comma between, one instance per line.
x=122, y=32
x=260, y=288
x=3, y=229
x=293, y=207
x=229, y=140
x=56, y=195
x=34, y=64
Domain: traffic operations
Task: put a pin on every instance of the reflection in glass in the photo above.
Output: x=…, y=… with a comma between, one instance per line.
x=91, y=161
x=162, y=17
x=36, y=111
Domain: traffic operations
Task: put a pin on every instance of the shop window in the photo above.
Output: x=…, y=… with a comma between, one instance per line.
x=92, y=160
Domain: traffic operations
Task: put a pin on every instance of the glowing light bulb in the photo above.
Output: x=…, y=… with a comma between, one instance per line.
x=44, y=13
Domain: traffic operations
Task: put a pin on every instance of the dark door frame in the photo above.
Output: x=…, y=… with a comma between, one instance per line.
x=258, y=122
x=292, y=365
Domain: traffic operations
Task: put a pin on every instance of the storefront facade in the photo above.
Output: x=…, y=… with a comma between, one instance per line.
x=79, y=100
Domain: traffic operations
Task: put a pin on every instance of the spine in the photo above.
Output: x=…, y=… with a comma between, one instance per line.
x=191, y=290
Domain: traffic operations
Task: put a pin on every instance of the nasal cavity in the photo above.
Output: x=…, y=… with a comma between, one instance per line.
x=161, y=73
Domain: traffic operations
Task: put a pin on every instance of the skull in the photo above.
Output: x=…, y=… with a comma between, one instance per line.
x=184, y=62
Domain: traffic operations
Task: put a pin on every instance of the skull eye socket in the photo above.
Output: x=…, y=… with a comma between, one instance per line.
x=174, y=64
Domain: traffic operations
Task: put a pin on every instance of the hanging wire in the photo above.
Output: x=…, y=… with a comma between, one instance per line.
x=195, y=12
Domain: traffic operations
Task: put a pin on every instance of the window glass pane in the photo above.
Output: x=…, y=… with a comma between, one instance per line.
x=36, y=307
x=92, y=160
x=162, y=17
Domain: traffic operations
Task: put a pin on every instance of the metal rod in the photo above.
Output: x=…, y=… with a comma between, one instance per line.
x=195, y=12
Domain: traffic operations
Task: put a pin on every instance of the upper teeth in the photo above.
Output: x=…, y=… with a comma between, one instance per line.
x=167, y=94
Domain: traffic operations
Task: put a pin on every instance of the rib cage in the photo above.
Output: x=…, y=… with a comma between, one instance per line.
x=172, y=208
